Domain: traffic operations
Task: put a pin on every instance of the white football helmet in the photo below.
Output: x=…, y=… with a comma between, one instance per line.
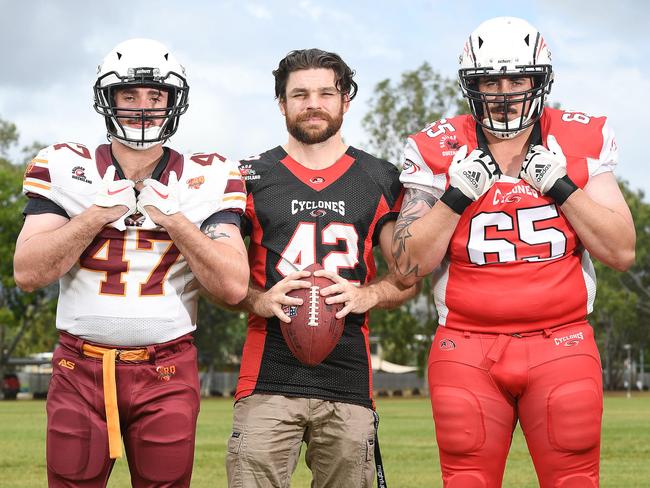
x=506, y=46
x=141, y=63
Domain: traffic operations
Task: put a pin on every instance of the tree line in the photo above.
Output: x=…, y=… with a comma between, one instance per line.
x=395, y=110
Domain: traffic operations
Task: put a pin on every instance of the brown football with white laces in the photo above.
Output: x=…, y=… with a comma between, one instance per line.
x=314, y=330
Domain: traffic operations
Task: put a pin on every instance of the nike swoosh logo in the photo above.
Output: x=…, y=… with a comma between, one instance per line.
x=115, y=192
x=161, y=195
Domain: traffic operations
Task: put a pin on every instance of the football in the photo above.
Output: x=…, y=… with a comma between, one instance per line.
x=314, y=329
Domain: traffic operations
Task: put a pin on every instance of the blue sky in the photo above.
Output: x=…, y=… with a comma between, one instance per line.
x=50, y=51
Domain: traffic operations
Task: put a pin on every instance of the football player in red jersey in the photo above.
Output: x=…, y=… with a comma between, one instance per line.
x=130, y=230
x=314, y=200
x=505, y=206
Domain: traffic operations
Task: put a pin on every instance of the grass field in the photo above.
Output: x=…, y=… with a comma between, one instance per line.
x=406, y=435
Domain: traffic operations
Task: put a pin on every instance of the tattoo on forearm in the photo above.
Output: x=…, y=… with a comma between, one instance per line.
x=212, y=232
x=416, y=204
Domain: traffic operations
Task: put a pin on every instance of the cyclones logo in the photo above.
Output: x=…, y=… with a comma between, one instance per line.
x=317, y=180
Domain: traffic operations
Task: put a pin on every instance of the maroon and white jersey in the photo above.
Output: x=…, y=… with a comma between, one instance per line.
x=514, y=263
x=131, y=287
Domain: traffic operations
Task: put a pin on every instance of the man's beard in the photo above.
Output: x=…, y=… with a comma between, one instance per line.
x=314, y=136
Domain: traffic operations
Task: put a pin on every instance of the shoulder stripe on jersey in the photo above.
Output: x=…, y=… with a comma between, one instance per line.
x=37, y=160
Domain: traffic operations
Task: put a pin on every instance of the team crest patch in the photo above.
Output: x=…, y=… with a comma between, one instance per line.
x=195, y=183
x=248, y=173
x=449, y=144
x=165, y=373
x=447, y=344
x=290, y=310
x=79, y=173
x=317, y=180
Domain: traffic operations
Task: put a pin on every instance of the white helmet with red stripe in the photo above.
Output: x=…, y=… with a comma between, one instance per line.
x=506, y=46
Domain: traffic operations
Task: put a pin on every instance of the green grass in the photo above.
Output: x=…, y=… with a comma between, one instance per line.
x=406, y=435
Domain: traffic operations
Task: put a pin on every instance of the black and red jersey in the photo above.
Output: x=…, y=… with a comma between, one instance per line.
x=297, y=216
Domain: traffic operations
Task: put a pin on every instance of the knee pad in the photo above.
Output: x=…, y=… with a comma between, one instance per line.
x=574, y=417
x=163, y=446
x=466, y=480
x=578, y=481
x=458, y=418
x=77, y=445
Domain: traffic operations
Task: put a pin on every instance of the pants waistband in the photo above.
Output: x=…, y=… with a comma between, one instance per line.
x=127, y=354
x=548, y=332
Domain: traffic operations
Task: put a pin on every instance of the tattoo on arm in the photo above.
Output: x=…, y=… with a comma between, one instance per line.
x=212, y=232
x=416, y=204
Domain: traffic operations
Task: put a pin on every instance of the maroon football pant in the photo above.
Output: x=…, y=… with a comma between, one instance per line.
x=482, y=384
x=158, y=402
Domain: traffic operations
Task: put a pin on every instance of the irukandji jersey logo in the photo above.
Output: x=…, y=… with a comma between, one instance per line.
x=79, y=173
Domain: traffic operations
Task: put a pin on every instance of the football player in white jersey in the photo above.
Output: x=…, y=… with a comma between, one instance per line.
x=132, y=230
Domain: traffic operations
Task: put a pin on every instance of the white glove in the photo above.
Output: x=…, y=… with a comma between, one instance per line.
x=115, y=193
x=164, y=198
x=473, y=175
x=543, y=167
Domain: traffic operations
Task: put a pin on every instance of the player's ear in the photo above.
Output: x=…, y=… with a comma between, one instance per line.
x=346, y=103
x=282, y=104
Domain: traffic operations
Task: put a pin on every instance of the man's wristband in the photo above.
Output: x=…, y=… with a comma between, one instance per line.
x=456, y=200
x=562, y=189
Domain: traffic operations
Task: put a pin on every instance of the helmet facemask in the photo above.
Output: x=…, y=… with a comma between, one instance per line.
x=531, y=100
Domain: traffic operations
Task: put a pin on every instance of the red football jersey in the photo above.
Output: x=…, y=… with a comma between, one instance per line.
x=514, y=263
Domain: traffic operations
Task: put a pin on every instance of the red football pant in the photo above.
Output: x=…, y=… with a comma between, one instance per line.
x=158, y=404
x=482, y=384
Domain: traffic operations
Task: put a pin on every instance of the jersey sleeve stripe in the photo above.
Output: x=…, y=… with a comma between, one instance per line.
x=235, y=186
x=38, y=160
x=241, y=198
x=38, y=173
x=36, y=185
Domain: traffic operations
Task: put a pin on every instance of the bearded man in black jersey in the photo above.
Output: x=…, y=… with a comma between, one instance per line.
x=313, y=200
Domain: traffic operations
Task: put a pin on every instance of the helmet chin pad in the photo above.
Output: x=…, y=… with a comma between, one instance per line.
x=137, y=138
